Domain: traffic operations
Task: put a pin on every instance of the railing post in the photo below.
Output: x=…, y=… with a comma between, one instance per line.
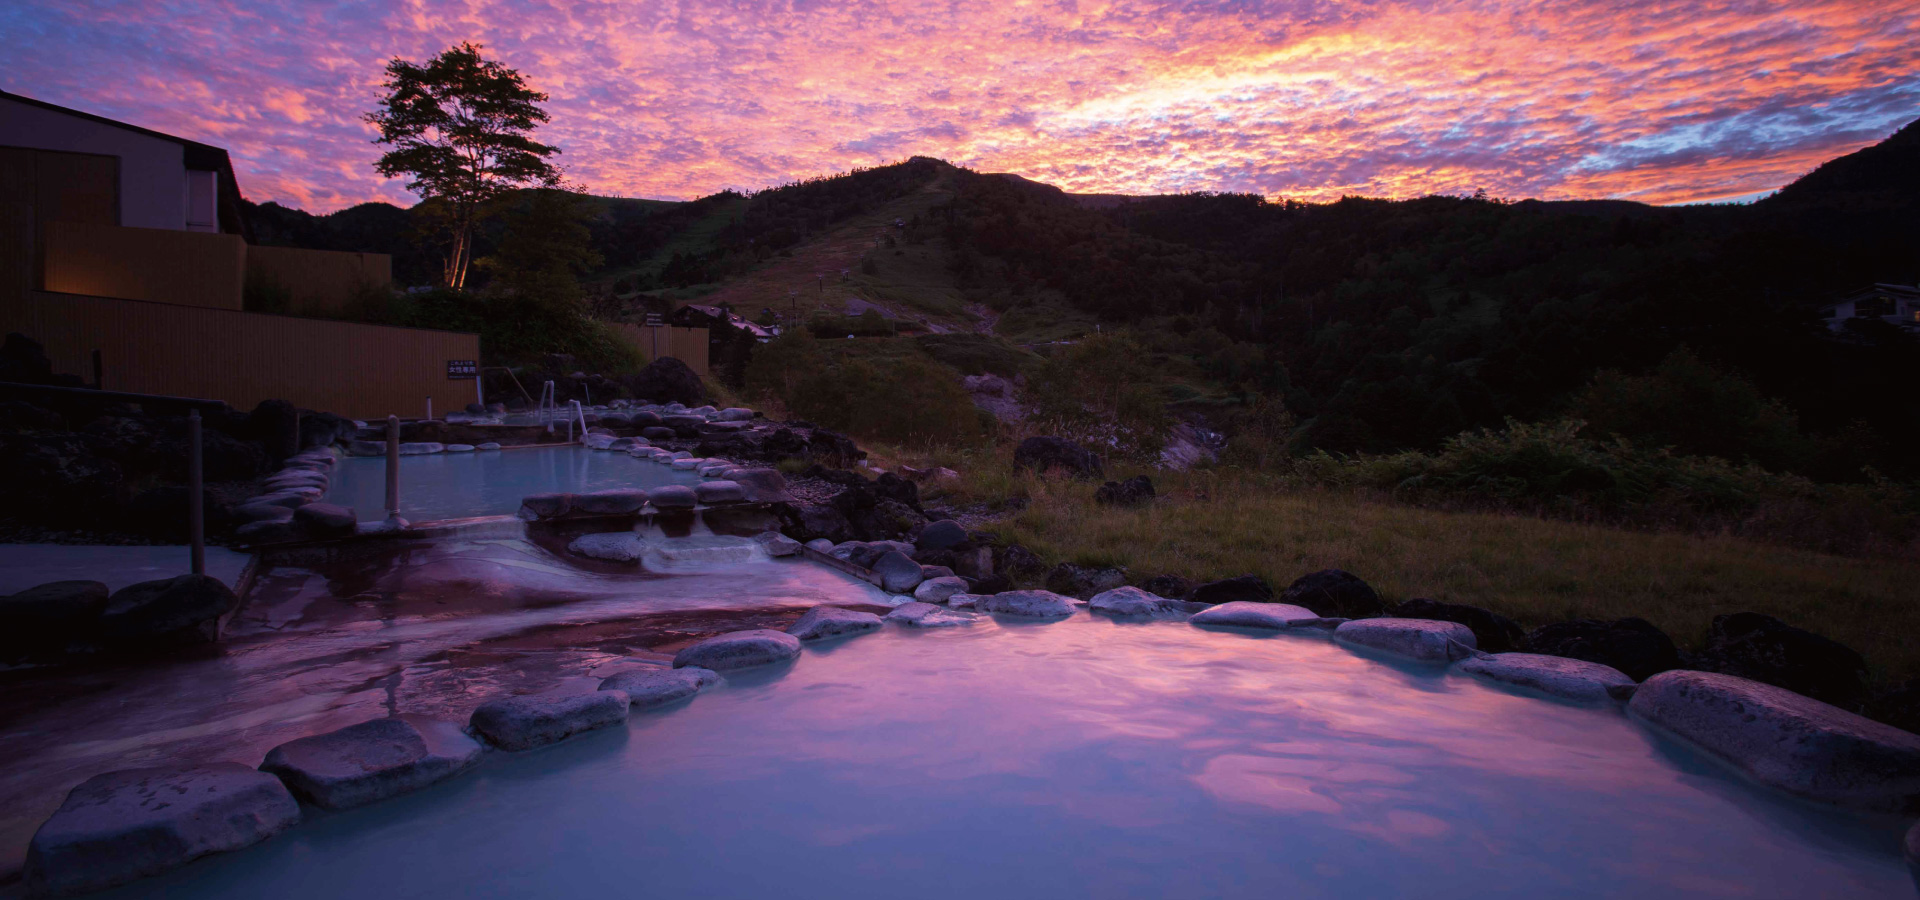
x=429, y=409
x=196, y=511
x=393, y=467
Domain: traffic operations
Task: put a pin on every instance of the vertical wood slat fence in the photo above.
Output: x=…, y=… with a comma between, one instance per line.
x=350, y=369
x=688, y=345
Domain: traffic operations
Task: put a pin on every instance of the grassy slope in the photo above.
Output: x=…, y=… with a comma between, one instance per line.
x=1217, y=525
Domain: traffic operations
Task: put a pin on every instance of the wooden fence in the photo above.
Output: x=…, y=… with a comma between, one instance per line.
x=182, y=267
x=354, y=370
x=317, y=282
x=688, y=345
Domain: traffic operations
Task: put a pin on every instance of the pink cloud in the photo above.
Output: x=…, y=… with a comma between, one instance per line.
x=1668, y=101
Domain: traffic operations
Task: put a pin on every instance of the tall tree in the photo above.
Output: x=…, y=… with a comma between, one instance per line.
x=461, y=127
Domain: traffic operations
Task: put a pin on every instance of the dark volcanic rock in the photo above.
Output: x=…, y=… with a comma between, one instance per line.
x=1132, y=492
x=274, y=424
x=1084, y=581
x=46, y=618
x=1015, y=560
x=1494, y=633
x=810, y=521
x=1044, y=454
x=1334, y=593
x=1634, y=646
x=1172, y=587
x=668, y=380
x=1765, y=649
x=1251, y=588
x=183, y=609
x=942, y=535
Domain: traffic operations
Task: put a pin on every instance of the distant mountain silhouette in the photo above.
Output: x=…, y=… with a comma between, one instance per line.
x=1887, y=172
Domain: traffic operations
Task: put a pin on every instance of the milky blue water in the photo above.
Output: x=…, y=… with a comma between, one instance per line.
x=1085, y=758
x=488, y=483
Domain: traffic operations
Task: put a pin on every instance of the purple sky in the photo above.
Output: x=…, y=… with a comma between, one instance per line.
x=1664, y=101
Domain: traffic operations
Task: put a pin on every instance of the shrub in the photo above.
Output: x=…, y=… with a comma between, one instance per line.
x=1102, y=391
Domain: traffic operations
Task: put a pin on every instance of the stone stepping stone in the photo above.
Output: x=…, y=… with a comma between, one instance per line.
x=622, y=546
x=460, y=448
x=1558, y=676
x=920, y=614
x=656, y=686
x=820, y=545
x=1425, y=640
x=536, y=720
x=734, y=414
x=823, y=622
x=374, y=760
x=1131, y=601
x=963, y=601
x=422, y=448
x=714, y=493
x=545, y=506
x=686, y=465
x=1031, y=604
x=740, y=650
x=125, y=825
x=777, y=544
x=1254, y=614
x=937, y=590
x=673, y=496
x=490, y=445
x=1785, y=740
x=612, y=502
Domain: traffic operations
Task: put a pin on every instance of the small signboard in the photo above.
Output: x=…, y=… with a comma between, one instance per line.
x=458, y=369
x=656, y=320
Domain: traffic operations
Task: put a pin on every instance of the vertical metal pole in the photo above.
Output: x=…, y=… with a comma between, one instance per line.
x=196, y=513
x=393, y=467
x=429, y=409
x=480, y=393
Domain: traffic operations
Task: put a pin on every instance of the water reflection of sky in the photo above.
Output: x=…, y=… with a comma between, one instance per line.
x=489, y=483
x=1086, y=759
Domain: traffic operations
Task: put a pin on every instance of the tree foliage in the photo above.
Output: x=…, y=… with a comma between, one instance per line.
x=461, y=130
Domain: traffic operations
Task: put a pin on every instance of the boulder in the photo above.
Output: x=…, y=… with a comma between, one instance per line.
x=1633, y=646
x=668, y=379
x=1084, y=581
x=545, y=506
x=898, y=572
x=125, y=825
x=288, y=499
x=47, y=617
x=964, y=601
x=777, y=544
x=1558, y=676
x=815, y=521
x=374, y=760
x=823, y=622
x=1333, y=592
x=734, y=414
x=942, y=535
x=536, y=720
x=422, y=448
x=1032, y=604
x=658, y=433
x=937, y=590
x=1131, y=601
x=1044, y=454
x=1013, y=559
x=1170, y=586
x=185, y=608
x=619, y=546
x=1785, y=740
x=490, y=445
x=461, y=448
x=929, y=573
x=739, y=650
x=612, y=502
x=1496, y=633
x=673, y=496
x=1255, y=614
x=1424, y=640
x=1763, y=648
x=820, y=545
x=761, y=485
x=686, y=465
x=658, y=686
x=1135, y=491
x=326, y=518
x=1239, y=589
x=926, y=615
x=717, y=493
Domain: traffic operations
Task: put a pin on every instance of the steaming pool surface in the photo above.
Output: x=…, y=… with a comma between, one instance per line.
x=490, y=482
x=1084, y=758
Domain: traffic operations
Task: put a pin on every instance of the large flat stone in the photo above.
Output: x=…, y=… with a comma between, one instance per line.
x=1558, y=676
x=1254, y=614
x=1031, y=604
x=186, y=607
x=648, y=688
x=545, y=506
x=715, y=493
x=1425, y=640
x=777, y=544
x=125, y=825
x=920, y=614
x=823, y=622
x=739, y=650
x=374, y=760
x=1785, y=740
x=622, y=546
x=673, y=496
x=614, y=502
x=536, y=720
